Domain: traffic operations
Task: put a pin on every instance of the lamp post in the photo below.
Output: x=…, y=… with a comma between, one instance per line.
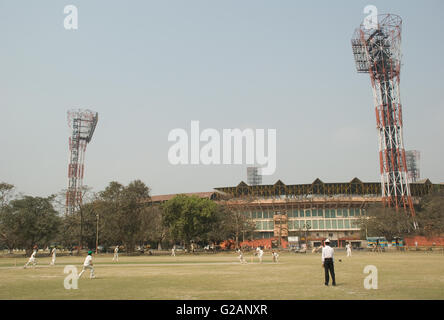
x=97, y=233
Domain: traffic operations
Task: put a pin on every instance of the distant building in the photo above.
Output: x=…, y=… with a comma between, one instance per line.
x=253, y=176
x=412, y=158
x=316, y=210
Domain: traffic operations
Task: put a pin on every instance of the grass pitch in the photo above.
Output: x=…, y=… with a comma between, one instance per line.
x=401, y=275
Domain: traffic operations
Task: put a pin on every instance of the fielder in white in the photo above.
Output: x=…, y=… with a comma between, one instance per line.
x=88, y=265
x=173, y=251
x=241, y=256
x=275, y=256
x=349, y=249
x=116, y=254
x=53, y=259
x=260, y=253
x=31, y=259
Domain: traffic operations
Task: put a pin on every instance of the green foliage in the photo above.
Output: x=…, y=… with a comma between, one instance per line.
x=189, y=218
x=430, y=216
x=121, y=211
x=386, y=222
x=30, y=221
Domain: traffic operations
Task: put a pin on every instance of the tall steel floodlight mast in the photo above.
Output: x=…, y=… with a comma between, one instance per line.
x=377, y=51
x=82, y=123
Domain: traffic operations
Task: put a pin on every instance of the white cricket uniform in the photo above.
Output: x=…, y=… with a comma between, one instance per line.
x=88, y=265
x=32, y=259
x=241, y=256
x=260, y=253
x=53, y=257
x=173, y=252
x=116, y=254
x=275, y=256
x=349, y=250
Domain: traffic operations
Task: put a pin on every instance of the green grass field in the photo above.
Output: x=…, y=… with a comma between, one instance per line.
x=410, y=275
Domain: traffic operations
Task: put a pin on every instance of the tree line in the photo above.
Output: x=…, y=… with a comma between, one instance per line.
x=118, y=215
x=390, y=223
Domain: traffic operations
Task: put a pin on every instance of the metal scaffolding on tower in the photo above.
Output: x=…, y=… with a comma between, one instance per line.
x=377, y=51
x=83, y=124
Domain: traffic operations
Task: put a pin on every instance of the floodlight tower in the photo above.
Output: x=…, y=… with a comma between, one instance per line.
x=82, y=123
x=377, y=51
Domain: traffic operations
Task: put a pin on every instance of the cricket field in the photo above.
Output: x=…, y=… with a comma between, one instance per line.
x=401, y=275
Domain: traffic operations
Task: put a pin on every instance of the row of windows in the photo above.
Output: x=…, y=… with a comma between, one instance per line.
x=307, y=213
x=330, y=224
x=264, y=225
x=323, y=224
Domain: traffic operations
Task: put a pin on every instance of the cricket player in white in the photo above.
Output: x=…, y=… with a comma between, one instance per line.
x=88, y=265
x=32, y=259
x=53, y=259
x=241, y=256
x=116, y=254
x=349, y=249
x=260, y=253
x=275, y=256
x=173, y=251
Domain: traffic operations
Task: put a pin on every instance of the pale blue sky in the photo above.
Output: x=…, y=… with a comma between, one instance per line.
x=148, y=67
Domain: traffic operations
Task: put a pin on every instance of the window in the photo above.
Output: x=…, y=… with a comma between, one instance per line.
x=315, y=224
x=347, y=224
x=345, y=213
x=327, y=224
x=321, y=224
x=334, y=224
x=301, y=213
x=254, y=215
x=258, y=225
x=327, y=213
x=295, y=213
x=259, y=214
x=339, y=212
x=296, y=224
x=307, y=213
x=352, y=212
x=333, y=213
x=270, y=225
x=340, y=224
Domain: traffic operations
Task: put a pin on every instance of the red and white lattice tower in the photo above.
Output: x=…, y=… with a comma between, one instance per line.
x=377, y=51
x=82, y=123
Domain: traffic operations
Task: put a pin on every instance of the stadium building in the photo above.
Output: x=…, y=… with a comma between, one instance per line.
x=305, y=211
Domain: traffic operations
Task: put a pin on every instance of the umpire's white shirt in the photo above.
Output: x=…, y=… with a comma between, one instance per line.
x=327, y=252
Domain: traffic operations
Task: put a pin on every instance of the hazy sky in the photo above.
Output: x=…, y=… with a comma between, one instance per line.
x=148, y=67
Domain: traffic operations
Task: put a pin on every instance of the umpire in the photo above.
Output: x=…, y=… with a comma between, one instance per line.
x=327, y=262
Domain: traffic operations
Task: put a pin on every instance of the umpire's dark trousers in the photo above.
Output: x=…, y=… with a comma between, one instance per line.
x=329, y=267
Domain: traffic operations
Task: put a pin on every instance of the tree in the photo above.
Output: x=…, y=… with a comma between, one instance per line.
x=386, y=222
x=152, y=225
x=189, y=218
x=231, y=224
x=121, y=210
x=8, y=237
x=430, y=216
x=33, y=221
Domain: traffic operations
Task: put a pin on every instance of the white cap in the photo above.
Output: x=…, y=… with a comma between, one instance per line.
x=327, y=240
